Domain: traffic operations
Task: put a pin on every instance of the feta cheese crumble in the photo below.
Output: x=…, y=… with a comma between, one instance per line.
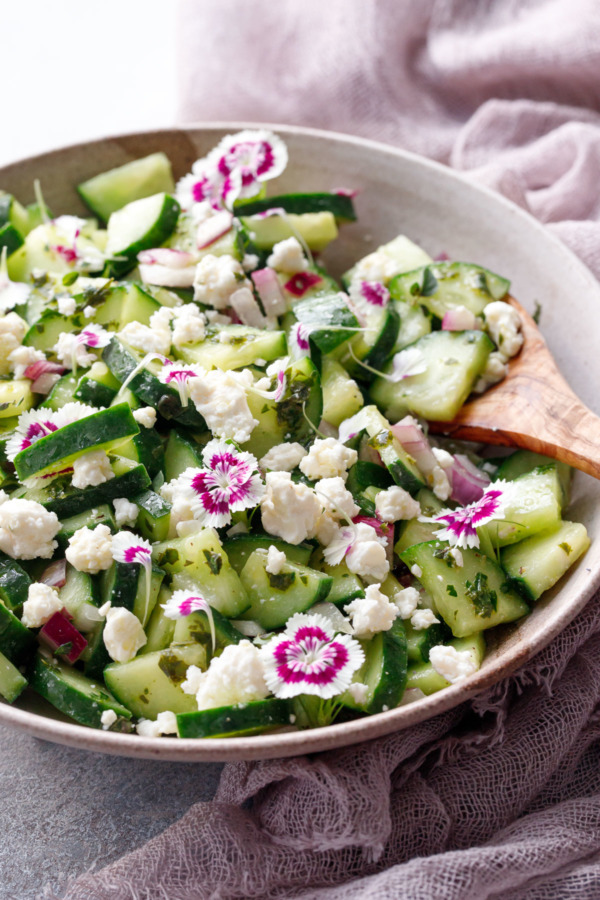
x=236, y=676
x=126, y=513
x=90, y=549
x=145, y=416
x=276, y=560
x=328, y=458
x=452, y=664
x=216, y=279
x=359, y=692
x=372, y=613
x=66, y=305
x=220, y=397
x=166, y=723
x=91, y=468
x=395, y=504
x=504, y=327
x=283, y=457
x=70, y=351
x=189, y=325
x=41, y=604
x=123, y=634
x=22, y=357
x=367, y=556
x=290, y=511
x=336, y=498
x=288, y=256
x=27, y=529
x=108, y=718
x=422, y=619
x=496, y=369
x=407, y=601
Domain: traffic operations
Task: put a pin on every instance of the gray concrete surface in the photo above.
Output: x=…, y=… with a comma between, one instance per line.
x=64, y=810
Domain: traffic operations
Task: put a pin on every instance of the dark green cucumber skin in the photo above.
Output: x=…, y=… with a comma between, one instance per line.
x=196, y=627
x=231, y=721
x=10, y=238
x=153, y=238
x=181, y=452
x=14, y=582
x=103, y=516
x=419, y=643
x=94, y=393
x=382, y=349
x=148, y=389
x=365, y=474
x=340, y=205
x=15, y=638
x=120, y=583
x=59, y=498
x=389, y=692
x=324, y=315
x=98, y=428
x=239, y=547
x=147, y=449
x=45, y=678
x=153, y=517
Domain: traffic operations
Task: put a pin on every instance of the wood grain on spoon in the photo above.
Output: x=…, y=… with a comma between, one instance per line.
x=533, y=408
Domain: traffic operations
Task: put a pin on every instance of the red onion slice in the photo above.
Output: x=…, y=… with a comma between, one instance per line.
x=166, y=256
x=468, y=482
x=460, y=319
x=55, y=575
x=41, y=367
x=213, y=228
x=45, y=383
x=410, y=435
x=60, y=632
x=269, y=290
x=165, y=276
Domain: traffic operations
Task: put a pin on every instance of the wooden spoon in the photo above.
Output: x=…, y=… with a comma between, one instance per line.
x=533, y=408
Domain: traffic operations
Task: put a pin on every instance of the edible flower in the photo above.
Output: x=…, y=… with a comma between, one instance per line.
x=176, y=374
x=374, y=292
x=70, y=348
x=183, y=603
x=129, y=548
x=68, y=230
x=405, y=364
x=460, y=525
x=299, y=340
x=276, y=370
x=301, y=282
x=310, y=658
x=229, y=483
x=37, y=423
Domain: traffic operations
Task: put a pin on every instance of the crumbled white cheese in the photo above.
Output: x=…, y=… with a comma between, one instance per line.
x=423, y=618
x=216, y=279
x=123, y=634
x=440, y=483
x=372, y=613
x=452, y=664
x=89, y=312
x=236, y=676
x=464, y=319
x=367, y=556
x=457, y=556
x=359, y=692
x=217, y=318
x=166, y=723
x=496, y=369
x=90, y=549
x=126, y=513
x=187, y=526
x=27, y=529
x=145, y=416
x=276, y=559
x=66, y=305
x=189, y=325
x=328, y=458
x=416, y=570
x=288, y=256
x=337, y=499
x=91, y=468
x=407, y=601
x=153, y=338
x=289, y=510
x=250, y=262
x=41, y=604
x=444, y=459
x=103, y=610
x=377, y=266
x=245, y=305
x=220, y=397
x=108, y=718
x=23, y=356
x=395, y=503
x=12, y=332
x=504, y=327
x=283, y=457
x=69, y=350
x=182, y=509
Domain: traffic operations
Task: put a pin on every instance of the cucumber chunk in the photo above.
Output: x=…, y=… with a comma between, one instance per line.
x=446, y=285
x=424, y=677
x=15, y=638
x=340, y=205
x=12, y=682
x=154, y=516
x=415, y=532
x=523, y=461
x=196, y=627
x=241, y=346
x=14, y=582
x=181, y=453
x=151, y=683
x=234, y=721
x=72, y=692
x=101, y=515
x=399, y=464
x=140, y=225
x=341, y=394
x=535, y=505
x=383, y=671
x=274, y=598
x=402, y=252
x=454, y=360
x=324, y=316
x=317, y=229
x=471, y=597
x=110, y=191
x=15, y=397
x=538, y=562
x=240, y=546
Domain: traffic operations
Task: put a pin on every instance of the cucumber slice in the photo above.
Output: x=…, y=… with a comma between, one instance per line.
x=317, y=229
x=419, y=643
x=444, y=286
x=181, y=453
x=340, y=205
x=383, y=671
x=234, y=721
x=124, y=584
x=274, y=598
x=145, y=448
x=399, y=464
x=14, y=582
x=79, y=595
x=196, y=627
x=15, y=638
x=151, y=683
x=72, y=692
x=62, y=392
x=538, y=562
x=373, y=346
x=241, y=346
x=98, y=387
x=454, y=360
x=10, y=238
x=138, y=226
x=138, y=306
x=469, y=598
x=415, y=532
x=15, y=397
x=240, y=546
x=110, y=191
x=12, y=682
x=44, y=333
x=402, y=252
x=345, y=586
x=425, y=677
x=154, y=516
x=341, y=394
x=160, y=629
x=324, y=315
x=199, y=563
x=415, y=323
x=523, y=461
x=11, y=212
x=534, y=506
x=101, y=515
x=103, y=430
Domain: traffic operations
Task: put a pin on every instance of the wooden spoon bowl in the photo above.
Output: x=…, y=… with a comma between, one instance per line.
x=533, y=408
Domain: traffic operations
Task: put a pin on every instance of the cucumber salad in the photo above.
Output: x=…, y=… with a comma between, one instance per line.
x=220, y=510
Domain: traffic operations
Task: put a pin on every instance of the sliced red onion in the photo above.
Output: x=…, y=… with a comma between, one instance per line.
x=269, y=290
x=45, y=383
x=55, y=575
x=346, y=192
x=210, y=230
x=468, y=482
x=165, y=276
x=441, y=257
x=60, y=632
x=415, y=443
x=166, y=256
x=459, y=319
x=41, y=367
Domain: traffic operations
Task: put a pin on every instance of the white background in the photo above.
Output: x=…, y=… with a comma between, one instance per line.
x=80, y=69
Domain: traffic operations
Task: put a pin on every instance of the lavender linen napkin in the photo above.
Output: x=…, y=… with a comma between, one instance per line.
x=501, y=797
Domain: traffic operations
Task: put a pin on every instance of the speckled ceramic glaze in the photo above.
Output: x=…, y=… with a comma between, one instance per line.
x=399, y=193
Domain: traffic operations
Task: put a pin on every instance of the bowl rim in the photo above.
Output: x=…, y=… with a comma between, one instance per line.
x=334, y=736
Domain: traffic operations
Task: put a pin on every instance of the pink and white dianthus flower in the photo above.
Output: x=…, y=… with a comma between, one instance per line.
x=459, y=526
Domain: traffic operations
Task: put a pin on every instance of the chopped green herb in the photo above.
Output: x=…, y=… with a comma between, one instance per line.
x=483, y=599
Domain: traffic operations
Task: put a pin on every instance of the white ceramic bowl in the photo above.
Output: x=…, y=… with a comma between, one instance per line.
x=399, y=193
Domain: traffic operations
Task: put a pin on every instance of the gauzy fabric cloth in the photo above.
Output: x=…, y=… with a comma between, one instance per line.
x=499, y=798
